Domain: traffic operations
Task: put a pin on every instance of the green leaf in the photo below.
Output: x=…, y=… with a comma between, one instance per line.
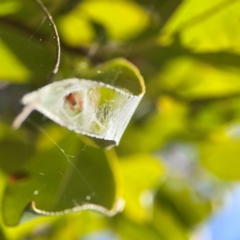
x=159, y=13
x=206, y=26
x=128, y=229
x=119, y=73
x=12, y=70
x=170, y=227
x=121, y=19
x=9, y=7
x=220, y=153
x=195, y=79
x=168, y=122
x=141, y=175
x=69, y=176
x=179, y=207
x=26, y=47
x=185, y=203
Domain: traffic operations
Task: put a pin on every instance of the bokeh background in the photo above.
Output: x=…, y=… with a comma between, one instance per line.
x=178, y=164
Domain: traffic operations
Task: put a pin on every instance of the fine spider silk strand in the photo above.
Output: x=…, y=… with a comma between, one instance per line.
x=57, y=63
x=66, y=155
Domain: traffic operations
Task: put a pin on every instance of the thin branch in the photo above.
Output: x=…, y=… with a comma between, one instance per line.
x=55, y=70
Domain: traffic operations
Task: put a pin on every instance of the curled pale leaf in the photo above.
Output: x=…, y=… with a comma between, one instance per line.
x=92, y=108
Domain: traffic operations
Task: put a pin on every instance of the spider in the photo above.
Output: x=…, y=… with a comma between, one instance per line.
x=74, y=101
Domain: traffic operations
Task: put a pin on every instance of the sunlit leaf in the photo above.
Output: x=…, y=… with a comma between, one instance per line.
x=9, y=7
x=69, y=33
x=220, y=153
x=206, y=26
x=128, y=229
x=121, y=19
x=192, y=79
x=12, y=69
x=141, y=175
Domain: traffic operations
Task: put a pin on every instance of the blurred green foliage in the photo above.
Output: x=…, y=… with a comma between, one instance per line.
x=180, y=151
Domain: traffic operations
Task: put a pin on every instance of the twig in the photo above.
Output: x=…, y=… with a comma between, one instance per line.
x=55, y=70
